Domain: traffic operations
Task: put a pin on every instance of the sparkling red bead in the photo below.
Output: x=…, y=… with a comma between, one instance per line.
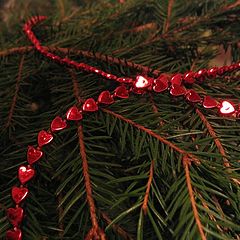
x=90, y=105
x=121, y=92
x=189, y=77
x=33, y=154
x=124, y=80
x=160, y=84
x=15, y=215
x=212, y=72
x=74, y=114
x=176, y=79
x=193, y=96
x=209, y=102
x=44, y=138
x=25, y=174
x=105, y=98
x=177, y=90
x=58, y=124
x=19, y=194
x=15, y=234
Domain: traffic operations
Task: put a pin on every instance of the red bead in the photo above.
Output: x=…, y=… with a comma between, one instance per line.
x=222, y=70
x=105, y=98
x=189, y=77
x=177, y=90
x=121, y=92
x=90, y=105
x=15, y=215
x=15, y=234
x=160, y=84
x=177, y=79
x=74, y=114
x=209, y=102
x=231, y=68
x=33, y=154
x=212, y=73
x=19, y=194
x=226, y=108
x=193, y=97
x=58, y=124
x=25, y=174
x=201, y=74
x=142, y=82
x=138, y=90
x=44, y=138
x=124, y=80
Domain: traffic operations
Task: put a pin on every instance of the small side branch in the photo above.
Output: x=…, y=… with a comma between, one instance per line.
x=169, y=12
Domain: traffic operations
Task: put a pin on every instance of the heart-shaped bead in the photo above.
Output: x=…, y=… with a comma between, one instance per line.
x=90, y=105
x=193, y=97
x=161, y=84
x=142, y=82
x=18, y=194
x=189, y=77
x=15, y=215
x=121, y=92
x=44, y=138
x=58, y=124
x=176, y=79
x=25, y=174
x=15, y=234
x=33, y=154
x=177, y=90
x=105, y=98
x=226, y=108
x=74, y=114
x=209, y=102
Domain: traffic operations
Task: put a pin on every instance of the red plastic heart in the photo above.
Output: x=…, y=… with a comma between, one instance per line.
x=177, y=90
x=226, y=108
x=74, y=114
x=14, y=234
x=25, y=174
x=33, y=154
x=44, y=138
x=58, y=124
x=142, y=82
x=90, y=105
x=161, y=84
x=193, y=97
x=18, y=194
x=15, y=215
x=105, y=98
x=209, y=102
x=177, y=79
x=121, y=92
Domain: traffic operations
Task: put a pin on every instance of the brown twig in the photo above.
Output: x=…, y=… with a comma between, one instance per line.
x=186, y=164
x=153, y=134
x=76, y=90
x=116, y=228
x=14, y=100
x=150, y=178
x=169, y=11
x=60, y=212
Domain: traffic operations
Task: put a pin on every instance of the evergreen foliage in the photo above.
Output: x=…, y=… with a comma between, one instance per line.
x=123, y=141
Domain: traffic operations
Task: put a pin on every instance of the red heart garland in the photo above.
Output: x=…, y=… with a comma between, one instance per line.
x=15, y=215
x=142, y=82
x=14, y=234
x=121, y=92
x=90, y=105
x=161, y=84
x=18, y=194
x=177, y=79
x=193, y=97
x=33, y=154
x=105, y=98
x=25, y=174
x=209, y=102
x=74, y=114
x=227, y=108
x=177, y=90
x=58, y=124
x=44, y=138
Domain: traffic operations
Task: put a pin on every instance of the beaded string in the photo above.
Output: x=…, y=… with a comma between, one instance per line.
x=176, y=85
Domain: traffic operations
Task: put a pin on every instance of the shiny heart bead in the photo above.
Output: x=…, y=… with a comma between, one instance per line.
x=160, y=84
x=209, y=102
x=15, y=234
x=226, y=108
x=177, y=90
x=142, y=82
x=25, y=174
x=193, y=97
x=90, y=105
x=121, y=92
x=189, y=77
x=44, y=138
x=18, y=194
x=74, y=114
x=105, y=98
x=15, y=215
x=33, y=154
x=176, y=79
x=58, y=124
